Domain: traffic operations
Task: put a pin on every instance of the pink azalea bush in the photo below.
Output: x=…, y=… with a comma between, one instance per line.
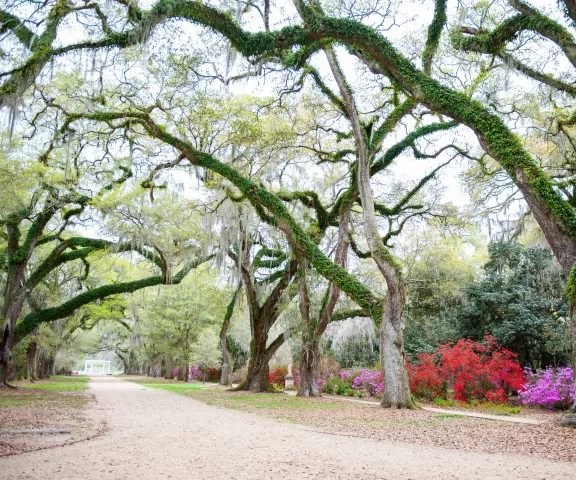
x=550, y=388
x=368, y=380
x=194, y=372
x=353, y=382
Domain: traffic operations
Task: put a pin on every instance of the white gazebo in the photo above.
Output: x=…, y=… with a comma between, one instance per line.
x=97, y=367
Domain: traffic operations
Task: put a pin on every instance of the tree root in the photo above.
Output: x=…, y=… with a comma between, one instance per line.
x=7, y=385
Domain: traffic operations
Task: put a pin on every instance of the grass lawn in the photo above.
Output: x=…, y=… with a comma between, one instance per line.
x=60, y=383
x=57, y=392
x=214, y=395
x=168, y=385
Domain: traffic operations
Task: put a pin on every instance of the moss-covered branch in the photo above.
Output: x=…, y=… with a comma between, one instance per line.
x=434, y=34
x=541, y=77
x=257, y=195
x=81, y=249
x=41, y=47
x=530, y=19
x=310, y=199
x=9, y=22
x=346, y=314
x=35, y=319
x=394, y=151
x=269, y=258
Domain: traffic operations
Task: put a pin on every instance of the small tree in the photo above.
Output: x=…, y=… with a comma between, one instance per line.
x=206, y=353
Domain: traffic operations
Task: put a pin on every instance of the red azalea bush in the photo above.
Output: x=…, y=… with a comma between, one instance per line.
x=425, y=378
x=212, y=374
x=277, y=374
x=473, y=370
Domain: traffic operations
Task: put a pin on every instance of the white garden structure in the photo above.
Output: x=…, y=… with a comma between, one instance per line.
x=97, y=367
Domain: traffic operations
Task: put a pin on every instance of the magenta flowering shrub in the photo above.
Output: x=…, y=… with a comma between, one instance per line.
x=194, y=372
x=361, y=380
x=368, y=380
x=348, y=375
x=551, y=388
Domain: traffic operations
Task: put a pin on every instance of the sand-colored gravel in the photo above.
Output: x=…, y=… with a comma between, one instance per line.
x=159, y=435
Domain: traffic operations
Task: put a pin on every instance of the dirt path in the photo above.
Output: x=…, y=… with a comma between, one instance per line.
x=158, y=435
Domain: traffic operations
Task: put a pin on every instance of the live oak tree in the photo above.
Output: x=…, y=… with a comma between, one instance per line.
x=267, y=277
x=296, y=43
x=37, y=240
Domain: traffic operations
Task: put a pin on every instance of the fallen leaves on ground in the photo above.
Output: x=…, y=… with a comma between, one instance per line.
x=547, y=440
x=23, y=408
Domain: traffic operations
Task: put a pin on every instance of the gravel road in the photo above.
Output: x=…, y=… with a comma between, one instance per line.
x=158, y=435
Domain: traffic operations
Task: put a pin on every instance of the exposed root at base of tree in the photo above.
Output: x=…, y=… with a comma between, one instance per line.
x=401, y=405
x=7, y=385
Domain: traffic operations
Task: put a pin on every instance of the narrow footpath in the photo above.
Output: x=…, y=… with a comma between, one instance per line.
x=159, y=435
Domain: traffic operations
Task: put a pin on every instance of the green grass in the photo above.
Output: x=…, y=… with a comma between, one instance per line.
x=60, y=383
x=276, y=401
x=263, y=401
x=170, y=386
x=449, y=415
x=55, y=392
x=494, y=408
x=184, y=387
x=443, y=402
x=248, y=401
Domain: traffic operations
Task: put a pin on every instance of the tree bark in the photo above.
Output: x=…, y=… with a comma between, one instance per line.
x=573, y=343
x=397, y=392
x=226, y=375
x=309, y=357
x=258, y=369
x=394, y=371
x=309, y=360
x=168, y=370
x=227, y=361
x=310, y=350
x=262, y=318
x=31, y=357
x=14, y=301
x=4, y=374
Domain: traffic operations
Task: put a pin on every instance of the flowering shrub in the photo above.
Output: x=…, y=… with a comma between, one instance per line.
x=425, y=378
x=212, y=374
x=277, y=374
x=551, y=388
x=473, y=370
x=368, y=380
x=353, y=382
x=194, y=372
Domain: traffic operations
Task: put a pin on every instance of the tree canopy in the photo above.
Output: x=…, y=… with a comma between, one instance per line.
x=137, y=125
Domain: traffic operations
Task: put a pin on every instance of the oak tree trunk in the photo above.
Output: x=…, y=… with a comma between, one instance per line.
x=573, y=344
x=3, y=373
x=394, y=372
x=257, y=377
x=309, y=361
x=31, y=357
x=226, y=375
